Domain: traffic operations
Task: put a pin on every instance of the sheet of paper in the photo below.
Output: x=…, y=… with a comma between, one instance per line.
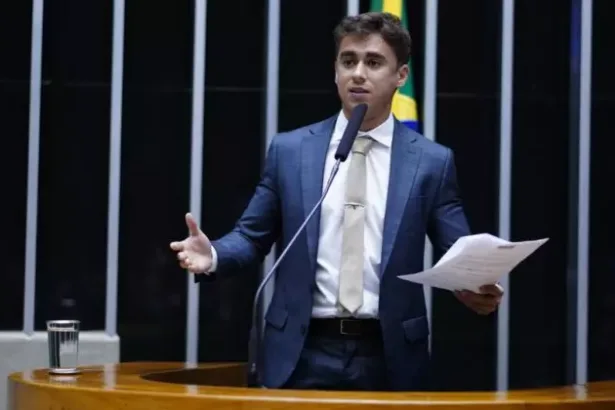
x=474, y=261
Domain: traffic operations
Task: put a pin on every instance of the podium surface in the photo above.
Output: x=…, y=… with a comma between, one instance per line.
x=156, y=386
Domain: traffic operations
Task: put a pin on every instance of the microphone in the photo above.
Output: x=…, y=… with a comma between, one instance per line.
x=343, y=150
x=350, y=133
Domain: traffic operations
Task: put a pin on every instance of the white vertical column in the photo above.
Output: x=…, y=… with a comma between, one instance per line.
x=271, y=116
x=115, y=152
x=584, y=191
x=506, y=100
x=36, y=62
x=196, y=167
x=430, y=96
x=352, y=7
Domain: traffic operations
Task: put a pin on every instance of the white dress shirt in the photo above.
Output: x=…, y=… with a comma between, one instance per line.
x=328, y=257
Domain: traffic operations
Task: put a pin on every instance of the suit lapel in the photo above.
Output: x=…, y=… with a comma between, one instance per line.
x=314, y=148
x=405, y=157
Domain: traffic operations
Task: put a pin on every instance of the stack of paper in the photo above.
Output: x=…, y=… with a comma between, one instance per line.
x=474, y=261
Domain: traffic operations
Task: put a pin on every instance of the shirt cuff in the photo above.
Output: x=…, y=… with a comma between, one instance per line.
x=214, y=260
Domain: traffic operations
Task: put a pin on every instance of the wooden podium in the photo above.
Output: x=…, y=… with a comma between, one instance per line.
x=157, y=386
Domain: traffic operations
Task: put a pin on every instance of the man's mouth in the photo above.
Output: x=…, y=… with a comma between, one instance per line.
x=358, y=90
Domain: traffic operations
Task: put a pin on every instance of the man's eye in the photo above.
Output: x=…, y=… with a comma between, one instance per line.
x=347, y=63
x=373, y=63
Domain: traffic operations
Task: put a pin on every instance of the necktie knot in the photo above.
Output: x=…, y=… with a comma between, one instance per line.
x=362, y=144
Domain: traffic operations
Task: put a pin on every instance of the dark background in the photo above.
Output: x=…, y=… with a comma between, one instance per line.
x=156, y=156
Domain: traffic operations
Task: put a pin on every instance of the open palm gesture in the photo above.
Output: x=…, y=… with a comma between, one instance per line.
x=194, y=252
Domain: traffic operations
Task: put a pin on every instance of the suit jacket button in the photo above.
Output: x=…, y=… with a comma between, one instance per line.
x=303, y=330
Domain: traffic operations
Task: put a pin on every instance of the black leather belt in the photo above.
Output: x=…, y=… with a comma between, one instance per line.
x=345, y=327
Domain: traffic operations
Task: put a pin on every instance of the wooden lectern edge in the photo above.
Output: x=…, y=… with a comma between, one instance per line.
x=131, y=388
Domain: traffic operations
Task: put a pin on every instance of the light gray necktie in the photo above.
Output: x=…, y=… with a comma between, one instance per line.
x=351, y=269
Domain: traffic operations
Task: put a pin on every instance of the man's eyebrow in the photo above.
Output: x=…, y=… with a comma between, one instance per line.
x=369, y=54
x=373, y=54
x=348, y=54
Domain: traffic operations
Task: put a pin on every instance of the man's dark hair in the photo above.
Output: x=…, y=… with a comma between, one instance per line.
x=386, y=24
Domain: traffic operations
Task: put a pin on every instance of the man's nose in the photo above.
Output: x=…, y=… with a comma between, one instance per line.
x=359, y=73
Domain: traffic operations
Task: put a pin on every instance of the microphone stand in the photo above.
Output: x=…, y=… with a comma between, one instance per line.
x=254, y=342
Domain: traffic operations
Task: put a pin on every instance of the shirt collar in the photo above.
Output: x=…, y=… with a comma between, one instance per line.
x=383, y=133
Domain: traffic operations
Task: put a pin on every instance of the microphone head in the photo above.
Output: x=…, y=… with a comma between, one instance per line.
x=351, y=131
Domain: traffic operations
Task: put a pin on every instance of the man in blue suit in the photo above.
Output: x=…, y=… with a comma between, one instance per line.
x=340, y=318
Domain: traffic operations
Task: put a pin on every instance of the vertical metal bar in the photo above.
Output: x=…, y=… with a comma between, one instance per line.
x=352, y=7
x=36, y=62
x=115, y=149
x=196, y=167
x=271, y=117
x=584, y=190
x=506, y=82
x=429, y=115
x=573, y=194
x=579, y=176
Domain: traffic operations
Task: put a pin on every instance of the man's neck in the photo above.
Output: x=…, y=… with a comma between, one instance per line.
x=372, y=123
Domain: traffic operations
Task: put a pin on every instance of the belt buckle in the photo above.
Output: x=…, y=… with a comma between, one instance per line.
x=344, y=332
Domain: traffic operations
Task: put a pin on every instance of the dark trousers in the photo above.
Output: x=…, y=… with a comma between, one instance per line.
x=340, y=364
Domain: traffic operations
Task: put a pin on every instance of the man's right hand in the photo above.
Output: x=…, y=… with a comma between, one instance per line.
x=194, y=252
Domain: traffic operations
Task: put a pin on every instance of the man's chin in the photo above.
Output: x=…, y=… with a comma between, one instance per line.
x=351, y=104
x=358, y=98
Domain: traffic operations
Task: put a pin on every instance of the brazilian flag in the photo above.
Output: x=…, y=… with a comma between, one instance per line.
x=404, y=102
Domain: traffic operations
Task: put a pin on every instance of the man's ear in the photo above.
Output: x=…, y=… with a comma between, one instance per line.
x=335, y=70
x=402, y=75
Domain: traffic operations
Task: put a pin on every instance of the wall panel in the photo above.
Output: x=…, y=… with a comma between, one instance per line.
x=602, y=202
x=154, y=179
x=234, y=116
x=73, y=173
x=540, y=190
x=15, y=23
x=468, y=121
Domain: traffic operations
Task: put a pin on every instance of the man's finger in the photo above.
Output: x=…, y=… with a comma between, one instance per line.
x=480, y=308
x=460, y=296
x=193, y=227
x=182, y=256
x=494, y=290
x=481, y=301
x=486, y=300
x=177, y=246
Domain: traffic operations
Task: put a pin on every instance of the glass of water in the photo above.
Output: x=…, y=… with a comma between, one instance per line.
x=63, y=340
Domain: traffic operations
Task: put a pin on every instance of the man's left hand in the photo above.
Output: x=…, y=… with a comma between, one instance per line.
x=483, y=303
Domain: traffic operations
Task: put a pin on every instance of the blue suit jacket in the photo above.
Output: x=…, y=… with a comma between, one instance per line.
x=422, y=199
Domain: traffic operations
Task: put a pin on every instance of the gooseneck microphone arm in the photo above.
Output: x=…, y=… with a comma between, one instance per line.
x=350, y=134
x=254, y=331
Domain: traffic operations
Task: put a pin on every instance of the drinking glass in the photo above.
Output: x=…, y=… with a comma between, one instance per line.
x=63, y=340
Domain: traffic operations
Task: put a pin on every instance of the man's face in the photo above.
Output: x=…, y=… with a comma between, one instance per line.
x=367, y=71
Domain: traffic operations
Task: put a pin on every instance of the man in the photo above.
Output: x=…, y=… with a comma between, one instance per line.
x=340, y=318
